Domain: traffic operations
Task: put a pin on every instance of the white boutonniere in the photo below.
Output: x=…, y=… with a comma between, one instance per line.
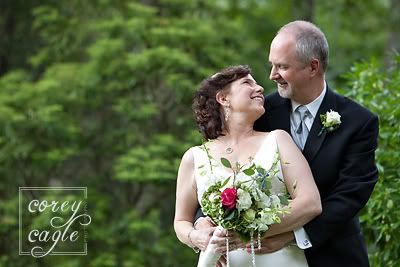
x=330, y=121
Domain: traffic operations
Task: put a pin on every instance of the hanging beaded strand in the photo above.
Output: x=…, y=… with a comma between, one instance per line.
x=253, y=256
x=227, y=249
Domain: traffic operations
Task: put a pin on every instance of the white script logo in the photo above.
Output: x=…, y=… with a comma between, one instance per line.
x=53, y=220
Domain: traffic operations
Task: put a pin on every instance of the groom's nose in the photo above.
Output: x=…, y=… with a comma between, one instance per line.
x=273, y=75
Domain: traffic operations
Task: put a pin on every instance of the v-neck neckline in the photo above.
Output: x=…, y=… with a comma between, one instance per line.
x=229, y=171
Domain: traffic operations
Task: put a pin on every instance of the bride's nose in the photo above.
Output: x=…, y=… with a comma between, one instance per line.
x=259, y=89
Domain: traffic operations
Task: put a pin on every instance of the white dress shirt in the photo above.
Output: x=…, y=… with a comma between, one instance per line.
x=302, y=239
x=312, y=108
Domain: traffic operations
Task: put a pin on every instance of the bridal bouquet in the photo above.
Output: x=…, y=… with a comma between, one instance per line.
x=244, y=203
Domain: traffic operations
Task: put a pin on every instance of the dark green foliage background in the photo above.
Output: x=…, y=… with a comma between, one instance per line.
x=98, y=94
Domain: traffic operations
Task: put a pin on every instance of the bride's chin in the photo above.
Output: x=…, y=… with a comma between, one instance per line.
x=257, y=114
x=261, y=111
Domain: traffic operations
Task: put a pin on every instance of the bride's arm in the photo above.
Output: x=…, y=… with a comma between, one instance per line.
x=186, y=205
x=306, y=202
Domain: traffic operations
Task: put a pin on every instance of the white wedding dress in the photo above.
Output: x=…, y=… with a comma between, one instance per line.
x=290, y=256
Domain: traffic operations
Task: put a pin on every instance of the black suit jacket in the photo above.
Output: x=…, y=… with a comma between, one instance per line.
x=343, y=166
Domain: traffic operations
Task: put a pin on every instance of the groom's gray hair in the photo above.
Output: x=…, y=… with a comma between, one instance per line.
x=310, y=42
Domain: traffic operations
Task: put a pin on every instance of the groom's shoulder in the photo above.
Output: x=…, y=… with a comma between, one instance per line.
x=352, y=108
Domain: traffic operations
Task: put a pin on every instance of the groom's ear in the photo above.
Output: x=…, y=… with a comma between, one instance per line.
x=315, y=67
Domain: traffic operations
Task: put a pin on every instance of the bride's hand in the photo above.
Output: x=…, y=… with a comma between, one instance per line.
x=201, y=237
x=220, y=237
x=204, y=230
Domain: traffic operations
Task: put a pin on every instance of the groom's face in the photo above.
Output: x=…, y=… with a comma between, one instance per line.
x=287, y=71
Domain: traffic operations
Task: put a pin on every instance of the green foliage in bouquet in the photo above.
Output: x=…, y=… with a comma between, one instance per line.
x=245, y=205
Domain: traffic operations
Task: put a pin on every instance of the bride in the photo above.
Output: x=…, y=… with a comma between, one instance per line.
x=226, y=106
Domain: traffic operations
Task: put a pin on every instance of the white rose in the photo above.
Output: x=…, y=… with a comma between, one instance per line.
x=259, y=225
x=243, y=201
x=262, y=227
x=264, y=202
x=332, y=118
x=266, y=218
x=275, y=201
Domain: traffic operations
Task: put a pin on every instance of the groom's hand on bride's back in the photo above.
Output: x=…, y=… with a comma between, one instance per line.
x=273, y=243
x=204, y=230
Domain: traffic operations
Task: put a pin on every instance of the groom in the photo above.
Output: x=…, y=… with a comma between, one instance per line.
x=342, y=158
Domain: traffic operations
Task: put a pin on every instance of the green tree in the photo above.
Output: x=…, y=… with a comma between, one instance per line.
x=379, y=89
x=107, y=106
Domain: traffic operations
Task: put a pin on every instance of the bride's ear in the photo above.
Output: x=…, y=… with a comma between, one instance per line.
x=221, y=98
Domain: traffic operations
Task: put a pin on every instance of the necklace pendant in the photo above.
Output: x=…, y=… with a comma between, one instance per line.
x=229, y=150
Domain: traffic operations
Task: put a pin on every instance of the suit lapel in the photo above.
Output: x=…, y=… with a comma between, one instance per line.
x=314, y=142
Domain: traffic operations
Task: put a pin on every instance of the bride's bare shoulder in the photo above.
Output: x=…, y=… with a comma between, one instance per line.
x=284, y=140
x=188, y=158
x=281, y=134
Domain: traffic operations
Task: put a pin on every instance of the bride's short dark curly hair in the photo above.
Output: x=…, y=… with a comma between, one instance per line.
x=207, y=111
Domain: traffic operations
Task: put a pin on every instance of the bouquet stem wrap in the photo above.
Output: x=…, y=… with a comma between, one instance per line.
x=210, y=257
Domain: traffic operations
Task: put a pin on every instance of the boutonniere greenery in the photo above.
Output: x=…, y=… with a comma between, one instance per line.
x=330, y=121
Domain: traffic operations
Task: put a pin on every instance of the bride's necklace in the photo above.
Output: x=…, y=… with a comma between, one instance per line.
x=229, y=149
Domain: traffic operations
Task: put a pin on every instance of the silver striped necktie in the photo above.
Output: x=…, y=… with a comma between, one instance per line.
x=301, y=113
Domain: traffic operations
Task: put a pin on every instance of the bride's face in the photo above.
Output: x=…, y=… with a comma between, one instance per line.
x=245, y=95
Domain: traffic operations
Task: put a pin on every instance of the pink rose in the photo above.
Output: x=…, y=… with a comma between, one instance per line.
x=229, y=197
